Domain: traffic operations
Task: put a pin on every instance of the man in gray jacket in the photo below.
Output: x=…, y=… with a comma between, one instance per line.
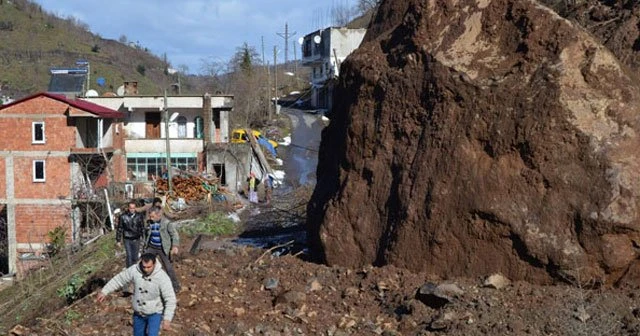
x=162, y=239
x=153, y=300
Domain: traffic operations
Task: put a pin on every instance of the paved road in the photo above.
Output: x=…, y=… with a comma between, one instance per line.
x=301, y=159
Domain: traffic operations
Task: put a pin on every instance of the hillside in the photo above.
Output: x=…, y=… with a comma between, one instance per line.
x=32, y=41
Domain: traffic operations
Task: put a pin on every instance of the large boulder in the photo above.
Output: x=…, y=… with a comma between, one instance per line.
x=480, y=137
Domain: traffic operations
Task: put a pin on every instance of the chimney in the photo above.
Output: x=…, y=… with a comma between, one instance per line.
x=207, y=117
x=130, y=88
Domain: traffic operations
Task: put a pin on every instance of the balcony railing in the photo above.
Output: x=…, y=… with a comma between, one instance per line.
x=159, y=145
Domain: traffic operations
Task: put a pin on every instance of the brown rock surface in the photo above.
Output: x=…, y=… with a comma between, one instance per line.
x=480, y=137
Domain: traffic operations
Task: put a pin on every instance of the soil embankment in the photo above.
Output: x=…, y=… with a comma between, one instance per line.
x=476, y=137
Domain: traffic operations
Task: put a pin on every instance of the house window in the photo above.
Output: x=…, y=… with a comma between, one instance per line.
x=182, y=127
x=39, y=171
x=37, y=132
x=149, y=167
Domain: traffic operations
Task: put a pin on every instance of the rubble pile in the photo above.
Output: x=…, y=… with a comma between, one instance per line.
x=235, y=290
x=480, y=137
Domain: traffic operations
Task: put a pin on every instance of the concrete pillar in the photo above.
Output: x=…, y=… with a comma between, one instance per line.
x=208, y=119
x=11, y=215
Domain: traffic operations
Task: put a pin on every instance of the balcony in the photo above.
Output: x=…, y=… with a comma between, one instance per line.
x=159, y=145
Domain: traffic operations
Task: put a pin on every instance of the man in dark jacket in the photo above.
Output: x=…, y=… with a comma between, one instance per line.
x=130, y=230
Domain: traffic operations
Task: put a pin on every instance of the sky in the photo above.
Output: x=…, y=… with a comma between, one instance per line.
x=190, y=31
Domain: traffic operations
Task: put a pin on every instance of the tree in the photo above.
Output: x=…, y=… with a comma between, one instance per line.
x=341, y=14
x=245, y=58
x=364, y=6
x=217, y=70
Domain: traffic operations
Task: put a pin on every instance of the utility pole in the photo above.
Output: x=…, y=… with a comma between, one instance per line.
x=295, y=59
x=265, y=67
x=168, y=146
x=275, y=77
x=286, y=37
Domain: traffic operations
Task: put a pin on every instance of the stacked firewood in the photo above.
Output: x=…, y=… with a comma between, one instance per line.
x=190, y=188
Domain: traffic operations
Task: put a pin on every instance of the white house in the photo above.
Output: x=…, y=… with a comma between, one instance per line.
x=324, y=50
x=194, y=122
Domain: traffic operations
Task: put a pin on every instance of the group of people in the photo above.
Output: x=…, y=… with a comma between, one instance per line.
x=252, y=187
x=151, y=272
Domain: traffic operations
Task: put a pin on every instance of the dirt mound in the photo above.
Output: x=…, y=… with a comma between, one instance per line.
x=478, y=137
x=234, y=290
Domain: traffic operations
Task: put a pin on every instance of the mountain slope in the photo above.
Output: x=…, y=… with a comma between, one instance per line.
x=32, y=41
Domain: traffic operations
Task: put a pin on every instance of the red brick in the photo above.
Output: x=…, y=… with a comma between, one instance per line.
x=33, y=222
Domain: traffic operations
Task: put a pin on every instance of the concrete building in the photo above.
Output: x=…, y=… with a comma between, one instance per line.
x=53, y=153
x=198, y=134
x=324, y=50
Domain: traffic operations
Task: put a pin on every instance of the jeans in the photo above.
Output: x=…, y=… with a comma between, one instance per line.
x=131, y=246
x=168, y=267
x=146, y=325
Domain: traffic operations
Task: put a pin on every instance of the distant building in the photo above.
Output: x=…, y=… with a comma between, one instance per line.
x=53, y=152
x=323, y=51
x=198, y=134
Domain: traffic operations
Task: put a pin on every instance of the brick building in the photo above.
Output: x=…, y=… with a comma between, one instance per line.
x=53, y=153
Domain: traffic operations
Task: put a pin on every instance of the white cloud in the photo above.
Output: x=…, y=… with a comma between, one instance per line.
x=191, y=30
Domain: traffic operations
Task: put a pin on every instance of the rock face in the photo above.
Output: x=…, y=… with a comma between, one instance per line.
x=481, y=137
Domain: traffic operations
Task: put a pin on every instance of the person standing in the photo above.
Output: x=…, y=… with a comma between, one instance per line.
x=268, y=188
x=129, y=231
x=153, y=300
x=252, y=183
x=162, y=239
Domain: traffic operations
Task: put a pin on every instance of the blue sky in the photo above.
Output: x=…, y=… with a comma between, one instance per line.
x=189, y=31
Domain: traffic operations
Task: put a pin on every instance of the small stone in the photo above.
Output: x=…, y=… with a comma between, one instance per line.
x=314, y=285
x=497, y=281
x=270, y=283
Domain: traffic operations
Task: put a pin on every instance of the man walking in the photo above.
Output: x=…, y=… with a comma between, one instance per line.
x=153, y=300
x=162, y=239
x=130, y=230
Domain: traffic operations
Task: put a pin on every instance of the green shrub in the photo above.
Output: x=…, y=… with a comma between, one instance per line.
x=57, y=239
x=141, y=69
x=71, y=289
x=70, y=316
x=215, y=224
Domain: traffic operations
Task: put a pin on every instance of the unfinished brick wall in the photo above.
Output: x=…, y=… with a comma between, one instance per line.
x=37, y=220
x=58, y=135
x=3, y=181
x=57, y=174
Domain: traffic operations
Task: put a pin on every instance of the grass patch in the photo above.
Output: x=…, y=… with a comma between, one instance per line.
x=64, y=278
x=214, y=224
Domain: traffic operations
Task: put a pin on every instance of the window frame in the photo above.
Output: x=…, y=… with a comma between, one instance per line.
x=33, y=133
x=34, y=171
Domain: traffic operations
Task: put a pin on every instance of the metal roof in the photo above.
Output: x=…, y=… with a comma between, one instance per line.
x=95, y=109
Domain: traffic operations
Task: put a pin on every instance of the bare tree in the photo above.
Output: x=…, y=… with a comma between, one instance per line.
x=364, y=6
x=341, y=14
x=217, y=70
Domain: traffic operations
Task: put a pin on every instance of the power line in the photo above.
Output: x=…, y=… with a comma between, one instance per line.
x=286, y=35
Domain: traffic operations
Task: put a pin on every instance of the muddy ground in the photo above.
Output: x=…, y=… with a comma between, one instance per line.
x=232, y=288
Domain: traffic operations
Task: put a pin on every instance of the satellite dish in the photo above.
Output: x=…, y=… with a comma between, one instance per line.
x=120, y=90
x=101, y=81
x=301, y=40
x=91, y=93
x=317, y=39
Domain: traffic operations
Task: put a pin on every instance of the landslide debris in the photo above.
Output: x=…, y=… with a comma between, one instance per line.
x=481, y=137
